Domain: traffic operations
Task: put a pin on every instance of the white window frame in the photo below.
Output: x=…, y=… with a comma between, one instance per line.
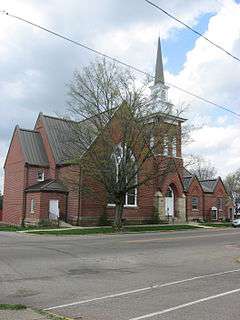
x=197, y=202
x=117, y=161
x=32, y=206
x=165, y=150
x=40, y=172
x=220, y=203
x=152, y=142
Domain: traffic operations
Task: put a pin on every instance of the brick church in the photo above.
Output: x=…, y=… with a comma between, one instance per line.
x=35, y=188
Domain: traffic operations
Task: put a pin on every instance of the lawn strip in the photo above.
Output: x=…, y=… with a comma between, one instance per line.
x=109, y=230
x=12, y=307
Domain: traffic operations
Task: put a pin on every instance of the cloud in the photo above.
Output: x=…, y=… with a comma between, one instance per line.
x=211, y=73
x=36, y=66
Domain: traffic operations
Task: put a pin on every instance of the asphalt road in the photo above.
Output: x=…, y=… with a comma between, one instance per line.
x=175, y=275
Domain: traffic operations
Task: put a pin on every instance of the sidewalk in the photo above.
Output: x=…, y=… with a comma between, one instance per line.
x=28, y=314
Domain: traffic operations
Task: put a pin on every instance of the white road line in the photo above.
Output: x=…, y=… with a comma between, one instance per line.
x=181, y=306
x=142, y=289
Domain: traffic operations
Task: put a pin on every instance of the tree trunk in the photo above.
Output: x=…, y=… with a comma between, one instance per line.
x=118, y=215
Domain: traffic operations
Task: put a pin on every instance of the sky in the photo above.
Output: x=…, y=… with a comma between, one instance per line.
x=35, y=67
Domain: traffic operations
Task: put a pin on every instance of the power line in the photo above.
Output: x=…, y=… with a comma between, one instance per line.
x=120, y=62
x=193, y=30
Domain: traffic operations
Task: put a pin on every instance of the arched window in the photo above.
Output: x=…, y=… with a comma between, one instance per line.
x=169, y=193
x=124, y=167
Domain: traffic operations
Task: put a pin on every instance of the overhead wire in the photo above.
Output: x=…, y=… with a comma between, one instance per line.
x=203, y=99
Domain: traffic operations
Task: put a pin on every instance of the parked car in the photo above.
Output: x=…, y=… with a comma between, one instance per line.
x=236, y=223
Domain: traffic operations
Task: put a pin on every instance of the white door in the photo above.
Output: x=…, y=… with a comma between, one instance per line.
x=169, y=203
x=53, y=209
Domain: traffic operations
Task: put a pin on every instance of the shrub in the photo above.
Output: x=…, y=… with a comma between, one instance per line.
x=155, y=219
x=103, y=219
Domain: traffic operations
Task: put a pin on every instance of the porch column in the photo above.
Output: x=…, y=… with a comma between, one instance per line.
x=159, y=204
x=181, y=208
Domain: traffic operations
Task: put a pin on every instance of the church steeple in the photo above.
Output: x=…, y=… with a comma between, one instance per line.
x=159, y=75
x=159, y=88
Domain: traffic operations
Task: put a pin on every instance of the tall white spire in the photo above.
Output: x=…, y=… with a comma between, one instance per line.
x=159, y=74
x=160, y=89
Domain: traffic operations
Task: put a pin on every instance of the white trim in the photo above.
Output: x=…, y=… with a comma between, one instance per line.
x=168, y=284
x=42, y=175
x=32, y=205
x=184, y=305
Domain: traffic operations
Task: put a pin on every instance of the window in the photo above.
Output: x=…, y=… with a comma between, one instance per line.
x=165, y=146
x=118, y=157
x=194, y=203
x=40, y=175
x=220, y=203
x=33, y=206
x=214, y=213
x=174, y=147
x=151, y=142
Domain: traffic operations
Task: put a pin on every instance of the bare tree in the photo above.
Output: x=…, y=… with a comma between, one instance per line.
x=202, y=168
x=120, y=130
x=232, y=184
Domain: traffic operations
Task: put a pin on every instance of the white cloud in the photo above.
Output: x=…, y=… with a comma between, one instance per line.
x=214, y=75
x=35, y=66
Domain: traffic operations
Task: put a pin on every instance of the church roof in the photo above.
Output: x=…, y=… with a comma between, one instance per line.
x=186, y=183
x=208, y=185
x=48, y=186
x=159, y=74
x=33, y=148
x=62, y=136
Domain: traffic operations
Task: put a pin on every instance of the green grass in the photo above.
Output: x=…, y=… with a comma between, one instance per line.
x=18, y=228
x=217, y=224
x=156, y=228
x=11, y=228
x=108, y=230
x=12, y=307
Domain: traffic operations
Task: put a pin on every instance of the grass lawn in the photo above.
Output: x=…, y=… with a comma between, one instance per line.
x=217, y=224
x=18, y=228
x=105, y=230
x=12, y=307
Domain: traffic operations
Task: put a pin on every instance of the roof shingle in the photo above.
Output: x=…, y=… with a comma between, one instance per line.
x=33, y=148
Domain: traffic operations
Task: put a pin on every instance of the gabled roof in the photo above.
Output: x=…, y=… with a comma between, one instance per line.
x=186, y=183
x=48, y=186
x=33, y=148
x=62, y=133
x=186, y=173
x=209, y=185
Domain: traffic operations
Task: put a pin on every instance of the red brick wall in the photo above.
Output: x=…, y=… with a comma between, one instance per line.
x=32, y=217
x=14, y=183
x=210, y=200
x=32, y=174
x=42, y=205
x=45, y=199
x=69, y=175
x=195, y=190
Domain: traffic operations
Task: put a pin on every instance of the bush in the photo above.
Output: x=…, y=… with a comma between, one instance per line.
x=45, y=223
x=155, y=219
x=103, y=219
